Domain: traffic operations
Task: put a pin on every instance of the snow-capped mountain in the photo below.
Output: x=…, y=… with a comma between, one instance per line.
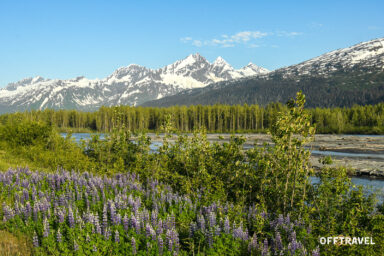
x=364, y=56
x=344, y=77
x=131, y=85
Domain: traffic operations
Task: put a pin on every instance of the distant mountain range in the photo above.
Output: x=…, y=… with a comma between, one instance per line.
x=132, y=85
x=344, y=77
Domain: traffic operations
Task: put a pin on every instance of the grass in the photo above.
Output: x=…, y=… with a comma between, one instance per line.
x=8, y=160
x=11, y=245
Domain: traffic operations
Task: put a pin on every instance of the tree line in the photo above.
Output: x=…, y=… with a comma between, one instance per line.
x=368, y=119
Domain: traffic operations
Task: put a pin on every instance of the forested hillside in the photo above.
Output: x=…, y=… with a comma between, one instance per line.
x=342, y=89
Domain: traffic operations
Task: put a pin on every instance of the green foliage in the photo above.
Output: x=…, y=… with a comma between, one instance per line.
x=41, y=145
x=282, y=171
x=25, y=133
x=337, y=207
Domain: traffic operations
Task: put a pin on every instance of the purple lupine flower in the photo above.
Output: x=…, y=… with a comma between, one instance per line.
x=145, y=215
x=159, y=229
x=105, y=219
x=133, y=244
x=192, y=229
x=117, y=236
x=87, y=238
x=60, y=216
x=137, y=204
x=287, y=220
x=169, y=240
x=58, y=236
x=62, y=200
x=227, y=227
x=280, y=220
x=71, y=219
x=309, y=229
x=175, y=238
x=45, y=227
x=135, y=224
x=154, y=216
x=97, y=225
x=125, y=222
x=17, y=209
x=75, y=246
x=94, y=249
x=253, y=243
x=209, y=237
x=25, y=195
x=264, y=252
x=161, y=245
x=28, y=210
x=245, y=234
x=107, y=233
x=278, y=242
x=148, y=247
x=148, y=230
x=264, y=215
x=237, y=233
x=35, y=240
x=201, y=223
x=112, y=211
x=118, y=219
x=294, y=246
x=316, y=252
x=165, y=224
x=7, y=212
x=130, y=201
x=217, y=230
x=171, y=222
x=292, y=236
x=212, y=219
x=35, y=211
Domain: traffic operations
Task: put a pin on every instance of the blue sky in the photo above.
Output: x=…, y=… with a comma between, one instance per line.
x=65, y=39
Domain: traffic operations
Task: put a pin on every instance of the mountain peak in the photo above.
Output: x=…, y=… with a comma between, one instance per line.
x=24, y=82
x=220, y=62
x=193, y=58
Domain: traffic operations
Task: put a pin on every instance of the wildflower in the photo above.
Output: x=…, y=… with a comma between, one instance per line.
x=46, y=228
x=35, y=240
x=264, y=252
x=71, y=219
x=278, y=242
x=160, y=244
x=58, y=236
x=227, y=227
x=125, y=222
x=133, y=244
x=75, y=246
x=117, y=236
x=253, y=244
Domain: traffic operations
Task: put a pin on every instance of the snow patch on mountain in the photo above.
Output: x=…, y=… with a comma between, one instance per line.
x=367, y=54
